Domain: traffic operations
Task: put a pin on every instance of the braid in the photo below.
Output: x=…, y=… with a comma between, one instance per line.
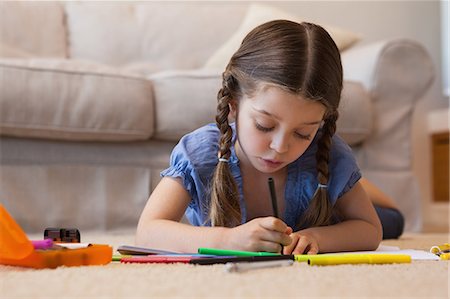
x=224, y=195
x=223, y=110
x=323, y=148
x=320, y=211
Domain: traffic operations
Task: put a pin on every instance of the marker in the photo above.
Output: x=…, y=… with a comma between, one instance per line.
x=226, y=252
x=441, y=249
x=42, y=244
x=246, y=266
x=348, y=258
x=273, y=197
x=444, y=256
x=235, y=259
x=118, y=257
x=157, y=259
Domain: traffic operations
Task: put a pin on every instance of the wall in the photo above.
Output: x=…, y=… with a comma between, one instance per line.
x=378, y=20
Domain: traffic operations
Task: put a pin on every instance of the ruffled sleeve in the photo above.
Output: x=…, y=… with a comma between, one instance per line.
x=344, y=169
x=193, y=160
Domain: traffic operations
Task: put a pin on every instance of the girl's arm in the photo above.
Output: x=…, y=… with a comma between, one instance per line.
x=360, y=228
x=159, y=226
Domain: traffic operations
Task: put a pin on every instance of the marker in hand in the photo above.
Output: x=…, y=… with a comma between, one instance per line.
x=273, y=197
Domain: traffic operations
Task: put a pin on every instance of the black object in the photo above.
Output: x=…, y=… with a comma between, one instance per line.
x=392, y=221
x=66, y=235
x=234, y=259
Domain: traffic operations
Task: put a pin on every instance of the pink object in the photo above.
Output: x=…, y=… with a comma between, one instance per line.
x=42, y=244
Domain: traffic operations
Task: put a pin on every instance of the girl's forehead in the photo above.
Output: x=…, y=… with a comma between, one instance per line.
x=283, y=105
x=271, y=90
x=267, y=86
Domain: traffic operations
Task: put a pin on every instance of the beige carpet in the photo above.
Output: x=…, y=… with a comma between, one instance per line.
x=420, y=279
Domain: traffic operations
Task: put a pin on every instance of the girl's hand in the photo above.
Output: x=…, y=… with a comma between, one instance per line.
x=302, y=243
x=260, y=234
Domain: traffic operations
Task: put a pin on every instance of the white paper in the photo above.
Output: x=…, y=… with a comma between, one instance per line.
x=414, y=253
x=73, y=245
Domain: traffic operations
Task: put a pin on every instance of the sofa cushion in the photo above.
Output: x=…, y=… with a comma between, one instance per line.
x=184, y=101
x=168, y=34
x=355, y=120
x=73, y=100
x=7, y=51
x=37, y=28
x=258, y=14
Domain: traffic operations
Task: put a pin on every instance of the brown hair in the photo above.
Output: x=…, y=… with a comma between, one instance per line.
x=302, y=59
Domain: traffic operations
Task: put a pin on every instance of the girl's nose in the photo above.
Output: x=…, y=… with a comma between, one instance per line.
x=280, y=143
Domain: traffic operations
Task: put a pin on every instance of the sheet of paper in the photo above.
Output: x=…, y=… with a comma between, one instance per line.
x=73, y=245
x=414, y=253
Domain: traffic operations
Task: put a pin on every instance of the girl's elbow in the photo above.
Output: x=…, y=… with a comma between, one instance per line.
x=377, y=235
x=142, y=233
x=139, y=237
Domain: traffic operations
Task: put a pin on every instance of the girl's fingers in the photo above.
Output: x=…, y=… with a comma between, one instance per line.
x=276, y=224
x=288, y=249
x=276, y=237
x=302, y=244
x=289, y=231
x=276, y=231
x=313, y=249
x=268, y=246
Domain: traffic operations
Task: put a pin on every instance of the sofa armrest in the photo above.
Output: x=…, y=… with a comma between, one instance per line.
x=355, y=120
x=396, y=73
x=378, y=66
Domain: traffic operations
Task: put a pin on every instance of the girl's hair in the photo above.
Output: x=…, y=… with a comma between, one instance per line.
x=299, y=58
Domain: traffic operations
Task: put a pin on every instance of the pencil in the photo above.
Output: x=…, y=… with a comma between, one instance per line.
x=273, y=197
x=246, y=266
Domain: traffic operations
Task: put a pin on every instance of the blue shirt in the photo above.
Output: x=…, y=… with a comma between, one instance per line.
x=194, y=160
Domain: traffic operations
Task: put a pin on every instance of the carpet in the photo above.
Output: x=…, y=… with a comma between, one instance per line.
x=420, y=279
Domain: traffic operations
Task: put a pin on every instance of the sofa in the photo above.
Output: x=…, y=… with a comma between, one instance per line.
x=93, y=97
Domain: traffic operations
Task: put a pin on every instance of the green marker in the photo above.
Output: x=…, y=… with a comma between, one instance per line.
x=226, y=252
x=118, y=257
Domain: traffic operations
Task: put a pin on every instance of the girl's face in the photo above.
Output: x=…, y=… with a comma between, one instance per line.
x=275, y=127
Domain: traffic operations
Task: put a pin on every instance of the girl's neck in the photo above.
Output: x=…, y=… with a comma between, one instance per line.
x=255, y=188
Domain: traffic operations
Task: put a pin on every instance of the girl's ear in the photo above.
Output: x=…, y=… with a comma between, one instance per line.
x=233, y=110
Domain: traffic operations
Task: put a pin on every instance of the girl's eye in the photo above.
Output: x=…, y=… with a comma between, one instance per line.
x=302, y=136
x=262, y=128
x=298, y=135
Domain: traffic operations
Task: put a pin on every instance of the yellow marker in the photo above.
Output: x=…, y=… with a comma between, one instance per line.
x=444, y=256
x=443, y=251
x=349, y=258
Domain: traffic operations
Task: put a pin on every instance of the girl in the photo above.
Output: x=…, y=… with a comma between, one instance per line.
x=282, y=87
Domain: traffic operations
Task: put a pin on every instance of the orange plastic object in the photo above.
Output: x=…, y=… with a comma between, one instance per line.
x=17, y=250
x=14, y=244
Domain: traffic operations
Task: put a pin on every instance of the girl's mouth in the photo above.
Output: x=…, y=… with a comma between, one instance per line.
x=271, y=163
